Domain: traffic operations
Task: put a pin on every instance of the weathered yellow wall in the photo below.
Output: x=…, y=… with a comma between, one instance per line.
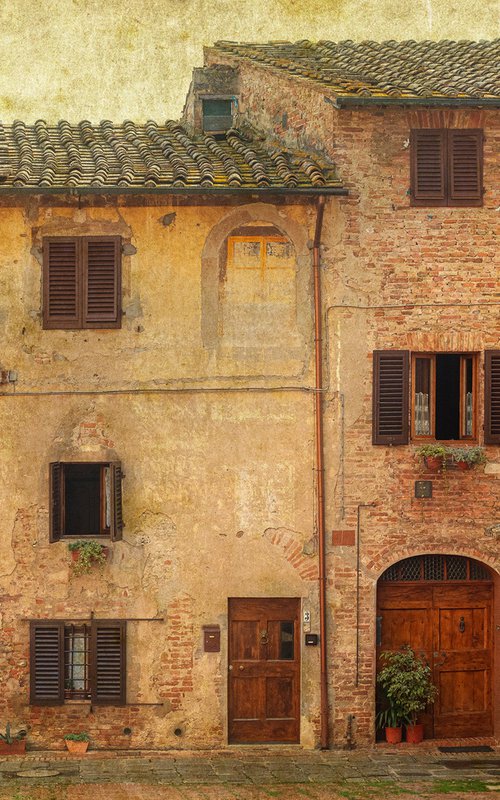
x=218, y=494
x=87, y=59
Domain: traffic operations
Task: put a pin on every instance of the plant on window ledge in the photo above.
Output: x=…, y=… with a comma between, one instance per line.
x=87, y=554
x=466, y=457
x=434, y=456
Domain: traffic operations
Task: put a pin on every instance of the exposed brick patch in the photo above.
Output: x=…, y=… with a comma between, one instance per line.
x=344, y=538
x=177, y=657
x=293, y=549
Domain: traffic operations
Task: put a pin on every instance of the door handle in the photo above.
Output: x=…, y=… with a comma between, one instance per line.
x=241, y=666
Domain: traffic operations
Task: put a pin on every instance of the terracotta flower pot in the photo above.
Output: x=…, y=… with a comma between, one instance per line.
x=17, y=747
x=463, y=465
x=415, y=733
x=433, y=463
x=77, y=748
x=393, y=735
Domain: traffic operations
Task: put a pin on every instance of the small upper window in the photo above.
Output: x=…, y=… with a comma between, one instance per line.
x=217, y=115
x=86, y=500
x=447, y=167
x=81, y=282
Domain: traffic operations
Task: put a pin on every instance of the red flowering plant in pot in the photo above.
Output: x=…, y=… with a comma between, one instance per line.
x=12, y=743
x=407, y=683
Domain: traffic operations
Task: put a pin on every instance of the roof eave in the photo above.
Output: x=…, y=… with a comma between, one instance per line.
x=446, y=102
x=230, y=191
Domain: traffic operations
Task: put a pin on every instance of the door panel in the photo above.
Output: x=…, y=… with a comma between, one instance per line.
x=264, y=670
x=450, y=626
x=463, y=662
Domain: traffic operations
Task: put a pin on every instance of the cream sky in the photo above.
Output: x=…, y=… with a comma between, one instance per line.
x=111, y=59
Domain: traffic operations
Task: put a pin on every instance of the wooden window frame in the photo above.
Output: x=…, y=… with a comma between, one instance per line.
x=118, y=695
x=450, y=197
x=57, y=491
x=432, y=358
x=81, y=321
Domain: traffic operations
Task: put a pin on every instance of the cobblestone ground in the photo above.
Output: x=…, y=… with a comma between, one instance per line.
x=375, y=774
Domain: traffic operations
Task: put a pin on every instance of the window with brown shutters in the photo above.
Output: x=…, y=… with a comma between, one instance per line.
x=443, y=388
x=85, y=500
x=82, y=282
x=492, y=397
x=446, y=167
x=69, y=660
x=390, y=397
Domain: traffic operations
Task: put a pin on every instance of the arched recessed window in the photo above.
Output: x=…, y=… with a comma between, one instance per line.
x=257, y=290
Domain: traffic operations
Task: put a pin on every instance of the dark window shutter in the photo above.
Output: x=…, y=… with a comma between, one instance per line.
x=108, y=662
x=428, y=167
x=116, y=528
x=492, y=397
x=102, y=282
x=390, y=396
x=56, y=505
x=465, y=165
x=61, y=283
x=46, y=663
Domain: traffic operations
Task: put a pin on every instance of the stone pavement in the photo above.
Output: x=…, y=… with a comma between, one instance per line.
x=246, y=773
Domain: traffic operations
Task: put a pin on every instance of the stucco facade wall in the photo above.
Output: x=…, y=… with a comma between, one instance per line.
x=395, y=277
x=216, y=444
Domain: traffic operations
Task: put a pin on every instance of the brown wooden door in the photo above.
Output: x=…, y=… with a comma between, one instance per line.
x=405, y=616
x=463, y=661
x=264, y=670
x=451, y=627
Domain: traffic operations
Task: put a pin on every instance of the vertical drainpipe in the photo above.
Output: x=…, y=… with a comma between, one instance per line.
x=320, y=475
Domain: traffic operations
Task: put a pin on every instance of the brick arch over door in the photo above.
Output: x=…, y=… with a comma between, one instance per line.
x=210, y=265
x=443, y=606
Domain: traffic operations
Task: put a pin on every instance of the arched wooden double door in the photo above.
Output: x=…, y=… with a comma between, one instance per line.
x=442, y=606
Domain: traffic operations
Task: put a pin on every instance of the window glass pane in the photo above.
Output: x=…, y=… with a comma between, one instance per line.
x=422, y=396
x=216, y=108
x=286, y=641
x=468, y=409
x=76, y=662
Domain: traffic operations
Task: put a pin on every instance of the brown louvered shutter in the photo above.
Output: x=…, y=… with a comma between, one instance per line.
x=492, y=397
x=116, y=527
x=61, y=283
x=390, y=396
x=108, y=662
x=102, y=279
x=56, y=491
x=428, y=167
x=46, y=663
x=465, y=166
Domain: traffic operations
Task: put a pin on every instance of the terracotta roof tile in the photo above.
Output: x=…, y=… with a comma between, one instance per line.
x=406, y=69
x=62, y=157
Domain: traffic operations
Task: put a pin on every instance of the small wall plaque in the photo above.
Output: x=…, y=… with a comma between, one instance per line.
x=211, y=638
x=312, y=639
x=423, y=488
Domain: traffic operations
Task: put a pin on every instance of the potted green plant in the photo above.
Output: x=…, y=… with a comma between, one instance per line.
x=407, y=683
x=77, y=743
x=467, y=457
x=391, y=720
x=12, y=743
x=87, y=554
x=434, y=456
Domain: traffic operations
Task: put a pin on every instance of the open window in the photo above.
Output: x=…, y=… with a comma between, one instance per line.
x=217, y=115
x=75, y=661
x=444, y=396
x=85, y=500
x=433, y=396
